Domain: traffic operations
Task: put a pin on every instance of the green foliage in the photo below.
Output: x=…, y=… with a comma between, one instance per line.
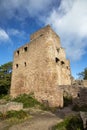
x=70, y=123
x=67, y=100
x=27, y=100
x=83, y=75
x=5, y=78
x=14, y=114
x=80, y=108
x=5, y=97
x=17, y=114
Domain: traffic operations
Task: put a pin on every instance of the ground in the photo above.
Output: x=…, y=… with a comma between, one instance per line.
x=40, y=120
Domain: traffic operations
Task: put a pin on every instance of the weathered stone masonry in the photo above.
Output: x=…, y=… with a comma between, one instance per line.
x=40, y=67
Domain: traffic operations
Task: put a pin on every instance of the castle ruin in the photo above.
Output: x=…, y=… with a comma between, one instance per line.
x=40, y=67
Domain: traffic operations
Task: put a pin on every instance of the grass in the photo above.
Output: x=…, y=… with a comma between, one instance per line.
x=11, y=118
x=14, y=114
x=28, y=101
x=17, y=114
x=5, y=97
x=70, y=123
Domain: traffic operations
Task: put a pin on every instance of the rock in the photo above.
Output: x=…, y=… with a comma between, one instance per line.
x=11, y=106
x=84, y=119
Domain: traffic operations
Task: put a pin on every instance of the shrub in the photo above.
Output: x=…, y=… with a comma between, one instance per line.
x=27, y=100
x=14, y=114
x=5, y=97
x=70, y=123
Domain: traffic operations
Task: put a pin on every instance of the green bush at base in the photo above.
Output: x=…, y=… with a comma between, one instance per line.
x=27, y=100
x=70, y=123
x=14, y=114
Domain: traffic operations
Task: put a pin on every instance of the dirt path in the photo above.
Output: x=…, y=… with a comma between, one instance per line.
x=43, y=121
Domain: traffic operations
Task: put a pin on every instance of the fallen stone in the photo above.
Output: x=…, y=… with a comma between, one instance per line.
x=11, y=106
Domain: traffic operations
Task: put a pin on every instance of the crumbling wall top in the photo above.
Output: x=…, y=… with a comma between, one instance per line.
x=41, y=32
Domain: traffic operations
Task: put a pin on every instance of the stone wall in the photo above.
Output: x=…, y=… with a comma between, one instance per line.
x=79, y=82
x=77, y=92
x=40, y=66
x=81, y=99
x=71, y=90
x=85, y=83
x=11, y=106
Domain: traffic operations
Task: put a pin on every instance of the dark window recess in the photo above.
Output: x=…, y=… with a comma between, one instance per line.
x=62, y=63
x=25, y=63
x=16, y=65
x=17, y=52
x=25, y=48
x=58, y=50
x=78, y=95
x=56, y=59
x=41, y=35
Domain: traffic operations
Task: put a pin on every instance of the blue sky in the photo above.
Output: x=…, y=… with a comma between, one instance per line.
x=20, y=18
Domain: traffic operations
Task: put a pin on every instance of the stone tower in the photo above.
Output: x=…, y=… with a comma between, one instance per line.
x=41, y=67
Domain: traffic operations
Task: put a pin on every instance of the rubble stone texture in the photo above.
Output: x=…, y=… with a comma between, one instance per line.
x=40, y=66
x=11, y=106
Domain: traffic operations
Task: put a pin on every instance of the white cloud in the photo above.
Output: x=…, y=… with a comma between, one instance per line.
x=3, y=36
x=21, y=9
x=10, y=34
x=70, y=22
x=18, y=34
x=15, y=32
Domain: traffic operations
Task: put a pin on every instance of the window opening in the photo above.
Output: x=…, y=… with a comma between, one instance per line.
x=25, y=63
x=25, y=49
x=56, y=59
x=17, y=52
x=78, y=95
x=41, y=35
x=58, y=50
x=62, y=63
x=16, y=65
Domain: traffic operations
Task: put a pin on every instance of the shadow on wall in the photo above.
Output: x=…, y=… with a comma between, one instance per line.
x=80, y=102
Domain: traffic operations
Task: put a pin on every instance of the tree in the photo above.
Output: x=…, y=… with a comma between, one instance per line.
x=5, y=77
x=83, y=75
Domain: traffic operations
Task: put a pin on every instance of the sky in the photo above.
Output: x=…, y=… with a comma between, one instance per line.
x=68, y=18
